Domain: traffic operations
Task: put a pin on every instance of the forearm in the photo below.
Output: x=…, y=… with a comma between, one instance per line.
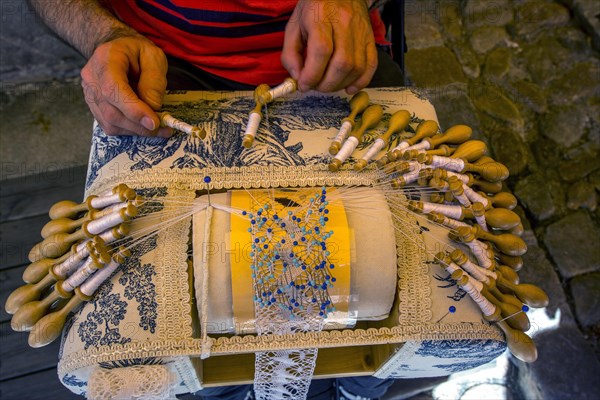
x=84, y=24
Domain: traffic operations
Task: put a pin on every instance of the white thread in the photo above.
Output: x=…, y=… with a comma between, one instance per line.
x=107, y=222
x=343, y=133
x=253, y=123
x=401, y=146
x=423, y=145
x=110, y=210
x=462, y=199
x=349, y=145
x=450, y=211
x=79, y=276
x=481, y=274
x=410, y=177
x=474, y=196
x=451, y=267
x=74, y=260
x=480, y=252
x=374, y=149
x=481, y=222
x=101, y=202
x=447, y=163
x=487, y=308
x=174, y=123
x=462, y=177
x=204, y=264
x=283, y=89
x=453, y=223
x=90, y=286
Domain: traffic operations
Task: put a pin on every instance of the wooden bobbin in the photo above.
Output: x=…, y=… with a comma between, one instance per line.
x=370, y=119
x=49, y=327
x=358, y=103
x=288, y=86
x=398, y=122
x=483, y=185
x=63, y=225
x=502, y=200
x=255, y=116
x=502, y=218
x=514, y=262
x=36, y=271
x=166, y=119
x=471, y=150
x=456, y=134
x=519, y=344
x=531, y=295
x=507, y=243
x=507, y=273
x=514, y=317
x=491, y=171
x=424, y=130
x=29, y=313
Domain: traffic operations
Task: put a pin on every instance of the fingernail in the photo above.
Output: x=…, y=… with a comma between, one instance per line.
x=294, y=74
x=351, y=89
x=148, y=123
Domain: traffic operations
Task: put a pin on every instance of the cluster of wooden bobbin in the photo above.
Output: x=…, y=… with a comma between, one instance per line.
x=72, y=261
x=465, y=195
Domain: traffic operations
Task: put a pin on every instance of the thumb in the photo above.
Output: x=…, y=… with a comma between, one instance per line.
x=153, y=76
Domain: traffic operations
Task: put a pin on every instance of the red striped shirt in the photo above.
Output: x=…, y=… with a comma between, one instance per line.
x=240, y=40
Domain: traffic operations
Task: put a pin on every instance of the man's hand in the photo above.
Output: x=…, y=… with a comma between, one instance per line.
x=329, y=45
x=124, y=82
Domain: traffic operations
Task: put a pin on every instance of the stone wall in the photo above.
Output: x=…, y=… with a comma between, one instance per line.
x=526, y=76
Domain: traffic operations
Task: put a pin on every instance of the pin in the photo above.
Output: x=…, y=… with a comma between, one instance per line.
x=451, y=310
x=207, y=180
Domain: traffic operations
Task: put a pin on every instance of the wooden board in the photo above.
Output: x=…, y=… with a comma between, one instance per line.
x=10, y=279
x=20, y=359
x=17, y=238
x=42, y=385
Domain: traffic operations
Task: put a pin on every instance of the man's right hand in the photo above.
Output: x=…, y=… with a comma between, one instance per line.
x=124, y=82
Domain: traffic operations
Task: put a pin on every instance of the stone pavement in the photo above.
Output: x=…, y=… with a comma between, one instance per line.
x=524, y=74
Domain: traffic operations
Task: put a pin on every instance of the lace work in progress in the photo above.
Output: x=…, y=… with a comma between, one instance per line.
x=292, y=275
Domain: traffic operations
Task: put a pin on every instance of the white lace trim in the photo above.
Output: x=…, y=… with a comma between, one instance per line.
x=143, y=382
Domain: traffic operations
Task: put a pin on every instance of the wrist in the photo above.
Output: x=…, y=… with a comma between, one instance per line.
x=116, y=32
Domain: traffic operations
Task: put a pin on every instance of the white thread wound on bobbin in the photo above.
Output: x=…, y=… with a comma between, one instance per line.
x=401, y=146
x=90, y=286
x=480, y=252
x=474, y=196
x=462, y=177
x=83, y=272
x=107, y=222
x=109, y=210
x=481, y=222
x=463, y=200
x=101, y=202
x=445, y=209
x=453, y=223
x=487, y=308
x=174, y=123
x=349, y=146
x=424, y=145
x=71, y=263
x=374, y=149
x=253, y=123
x=479, y=273
x=344, y=131
x=447, y=163
x=284, y=89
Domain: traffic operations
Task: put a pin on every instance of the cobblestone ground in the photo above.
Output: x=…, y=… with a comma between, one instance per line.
x=526, y=76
